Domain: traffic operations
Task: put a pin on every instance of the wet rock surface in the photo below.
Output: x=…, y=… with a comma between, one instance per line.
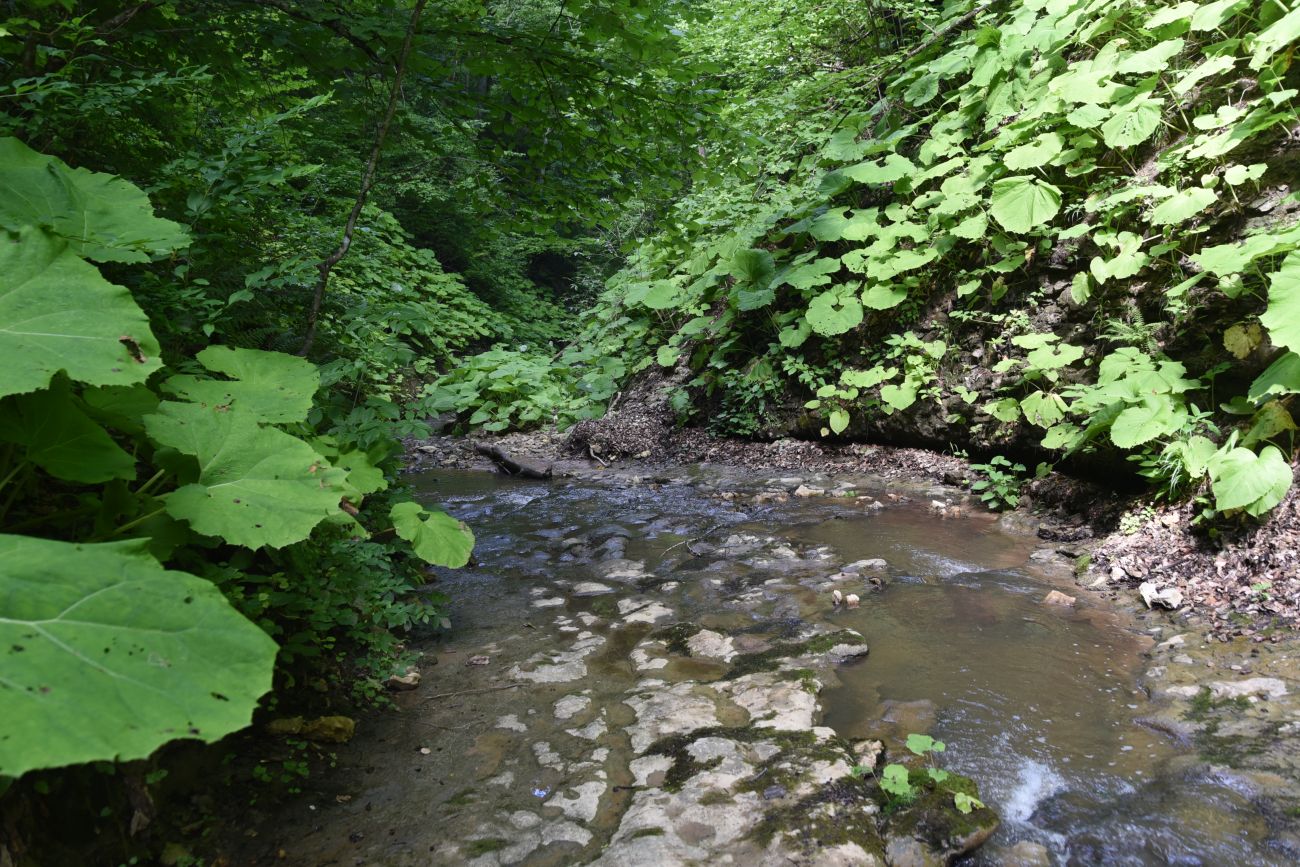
x=666, y=683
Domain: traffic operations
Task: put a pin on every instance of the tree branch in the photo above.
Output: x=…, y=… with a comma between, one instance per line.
x=334, y=25
x=367, y=181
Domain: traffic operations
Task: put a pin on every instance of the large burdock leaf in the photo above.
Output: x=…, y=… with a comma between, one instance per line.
x=256, y=486
x=1132, y=124
x=1282, y=318
x=1183, y=205
x=754, y=267
x=272, y=386
x=104, y=655
x=834, y=312
x=61, y=439
x=436, y=537
x=102, y=217
x=1020, y=203
x=58, y=313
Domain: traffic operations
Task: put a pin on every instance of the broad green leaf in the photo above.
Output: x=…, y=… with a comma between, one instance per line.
x=363, y=476
x=1170, y=14
x=893, y=167
x=1036, y=153
x=834, y=312
x=922, y=744
x=1282, y=318
x=435, y=536
x=1211, y=67
x=838, y=421
x=1241, y=479
x=1006, y=409
x=1238, y=175
x=883, y=296
x=105, y=656
x=1154, y=417
x=57, y=313
x=808, y=275
x=973, y=227
x=899, y=396
x=256, y=486
x=965, y=803
x=101, y=217
x=1153, y=59
x=1020, y=203
x=1243, y=339
x=1043, y=408
x=662, y=295
x=270, y=386
x=1132, y=124
x=1182, y=206
x=122, y=407
x=894, y=781
x=1212, y=15
x=867, y=378
x=667, y=355
x=794, y=336
x=754, y=267
x=1271, y=420
x=1280, y=377
x=61, y=439
x=1275, y=37
x=753, y=299
x=1080, y=288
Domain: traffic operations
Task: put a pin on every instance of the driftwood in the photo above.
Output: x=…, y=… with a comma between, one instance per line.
x=514, y=466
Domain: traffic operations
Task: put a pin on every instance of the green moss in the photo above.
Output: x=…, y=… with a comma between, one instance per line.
x=676, y=636
x=647, y=832
x=716, y=797
x=475, y=848
x=1081, y=564
x=461, y=798
x=934, y=818
x=772, y=658
x=832, y=816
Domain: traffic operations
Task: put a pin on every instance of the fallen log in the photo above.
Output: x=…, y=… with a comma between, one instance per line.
x=513, y=466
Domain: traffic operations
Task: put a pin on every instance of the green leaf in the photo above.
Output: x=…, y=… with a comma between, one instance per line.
x=839, y=420
x=1241, y=479
x=1280, y=377
x=965, y=803
x=1020, y=203
x=270, y=386
x=922, y=744
x=102, y=217
x=1154, y=417
x=1277, y=36
x=1271, y=420
x=794, y=336
x=1036, y=153
x=1182, y=206
x=973, y=227
x=883, y=296
x=834, y=312
x=256, y=485
x=61, y=439
x=1132, y=124
x=1212, y=15
x=1043, y=409
x=662, y=295
x=867, y=378
x=435, y=536
x=1154, y=59
x=899, y=396
x=894, y=781
x=105, y=656
x=754, y=267
x=57, y=313
x=1282, y=318
x=363, y=477
x=1005, y=410
x=667, y=355
x=894, y=167
x=754, y=299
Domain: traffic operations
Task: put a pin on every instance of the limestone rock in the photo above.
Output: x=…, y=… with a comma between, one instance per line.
x=1168, y=597
x=1056, y=597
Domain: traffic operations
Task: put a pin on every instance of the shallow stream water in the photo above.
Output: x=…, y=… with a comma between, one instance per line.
x=1036, y=702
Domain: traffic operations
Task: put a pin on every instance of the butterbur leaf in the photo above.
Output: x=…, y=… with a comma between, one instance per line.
x=838, y=421
x=1271, y=420
x=965, y=803
x=271, y=386
x=834, y=312
x=363, y=477
x=922, y=744
x=899, y=396
x=754, y=267
x=61, y=439
x=1280, y=377
x=435, y=536
x=58, y=313
x=1282, y=318
x=106, y=656
x=1043, y=409
x=101, y=217
x=893, y=780
x=1133, y=124
x=1036, y=153
x=1275, y=37
x=256, y=486
x=1020, y=203
x=1155, y=417
x=1182, y=206
x=1241, y=479
x=662, y=295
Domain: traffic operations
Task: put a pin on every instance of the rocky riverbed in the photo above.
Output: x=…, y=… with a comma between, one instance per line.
x=648, y=667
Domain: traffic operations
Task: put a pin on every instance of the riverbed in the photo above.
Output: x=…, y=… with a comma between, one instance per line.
x=606, y=615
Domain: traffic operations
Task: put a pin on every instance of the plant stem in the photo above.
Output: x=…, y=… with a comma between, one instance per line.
x=150, y=483
x=129, y=524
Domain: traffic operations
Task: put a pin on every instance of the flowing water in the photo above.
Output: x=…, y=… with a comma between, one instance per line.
x=1036, y=702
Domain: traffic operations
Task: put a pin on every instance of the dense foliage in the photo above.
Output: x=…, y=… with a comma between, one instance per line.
x=234, y=239
x=1071, y=217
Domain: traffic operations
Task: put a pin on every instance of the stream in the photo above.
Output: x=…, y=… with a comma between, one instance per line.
x=605, y=614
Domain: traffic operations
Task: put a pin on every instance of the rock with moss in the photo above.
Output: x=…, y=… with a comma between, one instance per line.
x=931, y=831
